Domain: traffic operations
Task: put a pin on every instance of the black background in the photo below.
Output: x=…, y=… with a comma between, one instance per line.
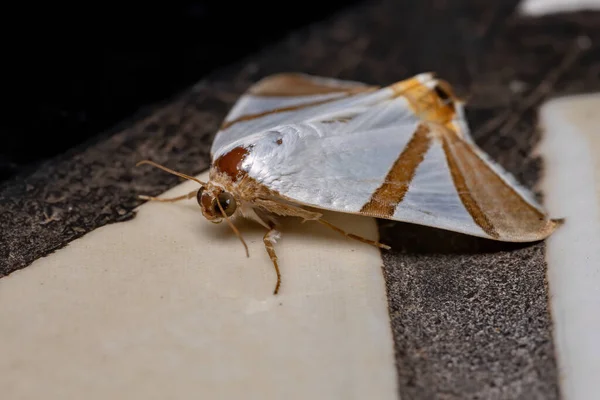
x=76, y=72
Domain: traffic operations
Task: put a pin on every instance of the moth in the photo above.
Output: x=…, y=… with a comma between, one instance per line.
x=295, y=143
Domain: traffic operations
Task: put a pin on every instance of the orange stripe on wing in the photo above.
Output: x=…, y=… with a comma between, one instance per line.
x=430, y=104
x=386, y=198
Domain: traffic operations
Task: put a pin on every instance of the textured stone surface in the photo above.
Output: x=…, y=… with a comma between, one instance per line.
x=469, y=317
x=470, y=322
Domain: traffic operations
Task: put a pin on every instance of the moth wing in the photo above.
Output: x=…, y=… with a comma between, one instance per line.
x=387, y=162
x=288, y=98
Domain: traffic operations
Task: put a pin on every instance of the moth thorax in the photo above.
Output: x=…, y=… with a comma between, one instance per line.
x=230, y=163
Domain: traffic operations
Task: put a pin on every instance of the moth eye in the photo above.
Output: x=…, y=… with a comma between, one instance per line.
x=199, y=196
x=227, y=202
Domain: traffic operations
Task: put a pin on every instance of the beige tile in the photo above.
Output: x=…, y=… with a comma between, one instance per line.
x=537, y=8
x=571, y=151
x=168, y=306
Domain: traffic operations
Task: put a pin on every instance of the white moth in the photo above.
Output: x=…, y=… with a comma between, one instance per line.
x=401, y=152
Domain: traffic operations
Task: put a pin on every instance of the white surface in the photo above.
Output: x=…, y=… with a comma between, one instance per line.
x=571, y=151
x=168, y=306
x=536, y=8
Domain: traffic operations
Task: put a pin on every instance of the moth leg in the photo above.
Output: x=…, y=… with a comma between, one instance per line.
x=293, y=211
x=287, y=210
x=190, y=195
x=353, y=236
x=269, y=239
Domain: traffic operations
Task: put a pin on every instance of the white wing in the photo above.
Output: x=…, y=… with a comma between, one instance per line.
x=393, y=153
x=287, y=98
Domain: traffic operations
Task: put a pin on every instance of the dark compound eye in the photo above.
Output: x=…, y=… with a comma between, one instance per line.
x=227, y=202
x=199, y=196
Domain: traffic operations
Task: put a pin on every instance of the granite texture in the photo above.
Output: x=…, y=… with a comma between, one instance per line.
x=469, y=316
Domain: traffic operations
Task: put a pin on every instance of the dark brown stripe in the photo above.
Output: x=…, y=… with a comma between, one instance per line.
x=464, y=192
x=386, y=198
x=249, y=117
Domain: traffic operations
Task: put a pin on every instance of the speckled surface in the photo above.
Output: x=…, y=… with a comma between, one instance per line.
x=469, y=317
x=470, y=323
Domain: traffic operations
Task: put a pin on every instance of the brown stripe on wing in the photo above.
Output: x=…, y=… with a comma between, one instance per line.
x=295, y=84
x=386, y=198
x=464, y=193
x=494, y=205
x=249, y=117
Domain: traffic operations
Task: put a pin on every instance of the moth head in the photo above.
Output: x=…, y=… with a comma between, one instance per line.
x=216, y=203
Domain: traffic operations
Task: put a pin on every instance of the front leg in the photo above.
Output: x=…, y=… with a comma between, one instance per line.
x=269, y=239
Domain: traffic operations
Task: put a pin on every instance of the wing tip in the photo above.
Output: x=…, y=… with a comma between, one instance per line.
x=542, y=232
x=558, y=221
x=551, y=226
